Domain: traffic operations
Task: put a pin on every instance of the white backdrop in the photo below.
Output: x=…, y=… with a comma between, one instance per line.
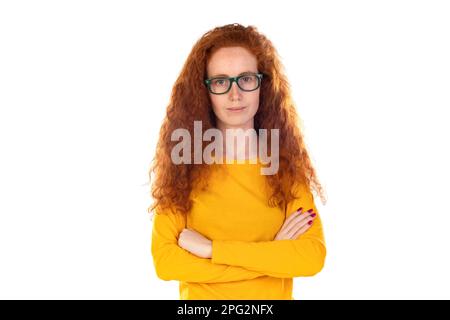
x=83, y=89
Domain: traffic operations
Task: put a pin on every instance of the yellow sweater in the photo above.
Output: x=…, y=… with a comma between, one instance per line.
x=246, y=262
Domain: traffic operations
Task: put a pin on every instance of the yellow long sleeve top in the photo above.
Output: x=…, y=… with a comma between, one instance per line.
x=246, y=262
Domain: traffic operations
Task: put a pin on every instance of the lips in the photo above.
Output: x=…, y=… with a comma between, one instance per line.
x=235, y=108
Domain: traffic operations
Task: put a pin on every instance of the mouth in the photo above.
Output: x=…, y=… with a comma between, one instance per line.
x=236, y=109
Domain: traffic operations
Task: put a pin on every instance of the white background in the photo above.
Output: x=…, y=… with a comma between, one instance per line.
x=83, y=90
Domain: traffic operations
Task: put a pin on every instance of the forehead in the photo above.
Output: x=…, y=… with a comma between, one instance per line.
x=231, y=61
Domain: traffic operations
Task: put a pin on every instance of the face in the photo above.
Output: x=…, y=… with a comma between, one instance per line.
x=232, y=62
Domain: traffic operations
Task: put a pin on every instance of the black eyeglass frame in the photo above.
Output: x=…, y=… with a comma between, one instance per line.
x=259, y=76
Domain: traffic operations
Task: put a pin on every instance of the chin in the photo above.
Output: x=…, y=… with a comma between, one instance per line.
x=236, y=124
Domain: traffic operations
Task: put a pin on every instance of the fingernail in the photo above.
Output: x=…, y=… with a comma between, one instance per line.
x=299, y=208
x=313, y=215
x=310, y=222
x=310, y=210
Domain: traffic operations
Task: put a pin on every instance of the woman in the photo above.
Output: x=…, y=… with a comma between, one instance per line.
x=225, y=230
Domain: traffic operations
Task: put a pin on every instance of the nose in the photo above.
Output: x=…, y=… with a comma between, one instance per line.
x=235, y=92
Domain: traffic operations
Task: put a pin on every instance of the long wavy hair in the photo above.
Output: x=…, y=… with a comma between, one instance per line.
x=189, y=101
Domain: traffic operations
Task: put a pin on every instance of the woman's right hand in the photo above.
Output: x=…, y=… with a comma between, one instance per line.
x=296, y=224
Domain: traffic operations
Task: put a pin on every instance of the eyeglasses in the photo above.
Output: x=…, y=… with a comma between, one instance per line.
x=246, y=82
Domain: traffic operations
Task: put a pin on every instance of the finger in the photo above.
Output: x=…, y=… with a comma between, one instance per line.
x=291, y=219
x=298, y=219
x=302, y=230
x=294, y=214
x=300, y=223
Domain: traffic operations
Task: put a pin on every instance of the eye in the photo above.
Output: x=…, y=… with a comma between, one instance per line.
x=219, y=82
x=247, y=78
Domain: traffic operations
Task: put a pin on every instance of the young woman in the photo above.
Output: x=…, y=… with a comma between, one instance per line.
x=225, y=230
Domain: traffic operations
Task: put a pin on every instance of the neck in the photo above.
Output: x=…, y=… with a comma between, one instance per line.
x=242, y=151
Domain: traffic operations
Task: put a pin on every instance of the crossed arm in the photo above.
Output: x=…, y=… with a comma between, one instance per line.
x=238, y=260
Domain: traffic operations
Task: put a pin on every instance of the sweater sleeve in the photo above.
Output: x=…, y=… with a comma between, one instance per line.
x=172, y=262
x=304, y=256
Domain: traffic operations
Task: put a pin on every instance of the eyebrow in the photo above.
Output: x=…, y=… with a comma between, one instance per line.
x=225, y=75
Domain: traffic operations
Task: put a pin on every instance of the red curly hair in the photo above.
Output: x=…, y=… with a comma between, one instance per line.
x=190, y=101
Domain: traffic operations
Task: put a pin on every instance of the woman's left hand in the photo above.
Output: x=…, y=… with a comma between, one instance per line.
x=195, y=243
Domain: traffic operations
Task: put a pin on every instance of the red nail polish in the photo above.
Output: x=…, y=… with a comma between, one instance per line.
x=310, y=222
x=299, y=208
x=310, y=210
x=313, y=215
